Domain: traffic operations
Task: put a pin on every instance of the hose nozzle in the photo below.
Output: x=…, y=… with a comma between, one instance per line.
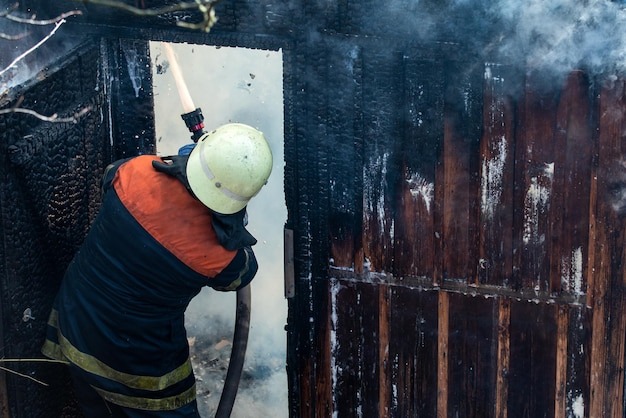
x=195, y=123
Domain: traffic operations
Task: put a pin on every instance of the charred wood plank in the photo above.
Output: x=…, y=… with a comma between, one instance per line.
x=503, y=358
x=609, y=297
x=384, y=375
x=534, y=166
x=533, y=330
x=413, y=352
x=381, y=91
x=343, y=135
x=496, y=177
x=471, y=355
x=354, y=348
x=443, y=355
x=417, y=233
x=569, y=209
x=459, y=182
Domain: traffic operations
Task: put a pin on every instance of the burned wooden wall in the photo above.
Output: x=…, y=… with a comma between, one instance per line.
x=470, y=236
x=49, y=194
x=459, y=248
x=457, y=227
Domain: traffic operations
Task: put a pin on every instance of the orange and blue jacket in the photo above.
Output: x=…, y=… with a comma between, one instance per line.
x=118, y=318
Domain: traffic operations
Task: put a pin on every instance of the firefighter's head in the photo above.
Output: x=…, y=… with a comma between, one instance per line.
x=229, y=166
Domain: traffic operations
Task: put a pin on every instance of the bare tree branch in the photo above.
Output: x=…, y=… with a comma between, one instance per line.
x=52, y=118
x=34, y=21
x=24, y=375
x=31, y=360
x=13, y=37
x=37, y=45
x=206, y=7
x=28, y=360
x=6, y=36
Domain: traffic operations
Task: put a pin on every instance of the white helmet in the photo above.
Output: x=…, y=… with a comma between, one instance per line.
x=229, y=166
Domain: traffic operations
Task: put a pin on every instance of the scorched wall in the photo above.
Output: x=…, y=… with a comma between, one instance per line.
x=454, y=212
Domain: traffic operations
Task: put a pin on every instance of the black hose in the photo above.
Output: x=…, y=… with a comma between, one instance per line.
x=237, y=355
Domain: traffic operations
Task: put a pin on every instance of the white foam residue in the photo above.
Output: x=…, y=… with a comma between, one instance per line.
x=374, y=194
x=466, y=98
x=380, y=205
x=536, y=203
x=489, y=75
x=136, y=70
x=578, y=407
x=422, y=189
x=572, y=272
x=487, y=72
x=491, y=180
x=577, y=270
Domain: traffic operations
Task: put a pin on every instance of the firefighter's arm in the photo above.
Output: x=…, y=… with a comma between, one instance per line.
x=239, y=273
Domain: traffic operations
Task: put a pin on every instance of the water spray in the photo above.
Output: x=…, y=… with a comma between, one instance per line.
x=195, y=123
x=193, y=118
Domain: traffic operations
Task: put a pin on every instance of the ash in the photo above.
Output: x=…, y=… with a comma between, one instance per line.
x=210, y=355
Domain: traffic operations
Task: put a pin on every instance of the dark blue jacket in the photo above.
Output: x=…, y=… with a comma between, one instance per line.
x=119, y=314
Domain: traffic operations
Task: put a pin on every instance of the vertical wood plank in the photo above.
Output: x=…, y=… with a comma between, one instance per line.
x=578, y=360
x=609, y=301
x=305, y=395
x=496, y=176
x=532, y=360
x=420, y=154
x=322, y=385
x=345, y=339
x=442, y=354
x=381, y=173
x=471, y=356
x=569, y=209
x=343, y=124
x=462, y=115
x=561, y=361
x=413, y=352
x=594, y=224
x=534, y=167
x=384, y=376
x=354, y=348
x=503, y=358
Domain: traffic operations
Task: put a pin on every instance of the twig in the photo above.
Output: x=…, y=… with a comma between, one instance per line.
x=14, y=37
x=33, y=21
x=31, y=360
x=37, y=45
x=209, y=18
x=52, y=118
x=24, y=375
x=206, y=7
x=152, y=12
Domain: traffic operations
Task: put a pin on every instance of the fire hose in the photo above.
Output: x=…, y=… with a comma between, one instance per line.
x=195, y=123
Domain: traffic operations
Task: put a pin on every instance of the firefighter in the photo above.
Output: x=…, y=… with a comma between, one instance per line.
x=167, y=227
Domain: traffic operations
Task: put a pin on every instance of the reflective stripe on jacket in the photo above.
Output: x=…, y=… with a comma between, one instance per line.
x=119, y=315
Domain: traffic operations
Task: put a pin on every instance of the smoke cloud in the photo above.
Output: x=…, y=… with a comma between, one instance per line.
x=565, y=34
x=558, y=35
x=28, y=46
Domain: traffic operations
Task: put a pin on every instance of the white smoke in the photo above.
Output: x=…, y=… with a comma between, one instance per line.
x=29, y=45
x=556, y=35
x=244, y=85
x=565, y=34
